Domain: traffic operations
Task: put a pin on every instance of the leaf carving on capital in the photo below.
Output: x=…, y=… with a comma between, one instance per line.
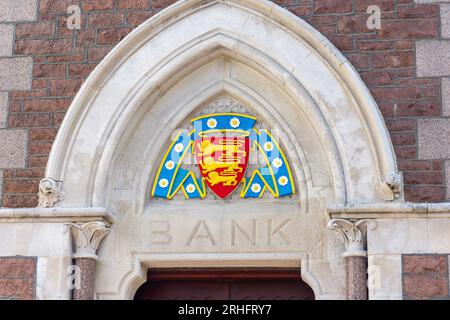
x=87, y=238
x=354, y=234
x=49, y=192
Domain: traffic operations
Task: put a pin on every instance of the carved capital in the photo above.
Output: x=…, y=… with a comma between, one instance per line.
x=49, y=192
x=354, y=235
x=87, y=238
x=393, y=182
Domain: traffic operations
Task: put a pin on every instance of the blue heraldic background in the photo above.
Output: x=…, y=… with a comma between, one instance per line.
x=275, y=176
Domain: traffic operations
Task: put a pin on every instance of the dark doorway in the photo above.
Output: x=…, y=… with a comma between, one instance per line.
x=181, y=284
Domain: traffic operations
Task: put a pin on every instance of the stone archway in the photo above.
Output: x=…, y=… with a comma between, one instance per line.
x=279, y=67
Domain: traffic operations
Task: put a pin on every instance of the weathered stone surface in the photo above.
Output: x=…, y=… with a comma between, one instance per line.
x=1, y=187
x=13, y=10
x=6, y=39
x=425, y=263
x=15, y=73
x=17, y=289
x=430, y=1
x=423, y=287
x=17, y=267
x=3, y=108
x=432, y=58
x=87, y=269
x=446, y=97
x=13, y=148
x=445, y=20
x=447, y=175
x=434, y=139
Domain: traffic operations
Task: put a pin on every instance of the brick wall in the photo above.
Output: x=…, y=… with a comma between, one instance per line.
x=425, y=277
x=17, y=278
x=387, y=60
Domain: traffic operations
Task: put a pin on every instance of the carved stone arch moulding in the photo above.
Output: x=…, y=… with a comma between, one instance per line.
x=286, y=74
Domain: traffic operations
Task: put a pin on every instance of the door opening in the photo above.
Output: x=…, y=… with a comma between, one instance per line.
x=224, y=284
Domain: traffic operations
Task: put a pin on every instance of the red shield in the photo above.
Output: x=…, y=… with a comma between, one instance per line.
x=222, y=162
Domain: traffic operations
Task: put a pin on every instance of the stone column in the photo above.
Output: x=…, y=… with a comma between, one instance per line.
x=87, y=238
x=354, y=235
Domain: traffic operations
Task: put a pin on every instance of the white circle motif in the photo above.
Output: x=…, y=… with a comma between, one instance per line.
x=163, y=183
x=170, y=165
x=211, y=123
x=234, y=123
x=277, y=163
x=268, y=146
x=256, y=188
x=283, y=181
x=190, y=188
x=179, y=147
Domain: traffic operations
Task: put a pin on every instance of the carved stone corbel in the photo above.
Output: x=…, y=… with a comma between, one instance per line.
x=391, y=186
x=49, y=192
x=87, y=238
x=354, y=235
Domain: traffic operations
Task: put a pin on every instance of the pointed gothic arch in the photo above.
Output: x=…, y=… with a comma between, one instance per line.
x=288, y=73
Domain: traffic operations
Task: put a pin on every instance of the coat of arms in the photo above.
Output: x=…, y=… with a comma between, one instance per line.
x=221, y=144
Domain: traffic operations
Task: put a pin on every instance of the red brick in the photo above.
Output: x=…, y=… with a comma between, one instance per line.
x=29, y=94
x=301, y=11
x=404, y=138
x=353, y=24
x=404, y=45
x=321, y=20
x=29, y=120
x=112, y=36
x=58, y=118
x=42, y=134
x=384, y=93
x=86, y=37
x=72, y=57
x=37, y=161
x=333, y=6
x=385, y=5
x=424, y=178
x=96, y=54
x=33, y=46
x=30, y=173
x=21, y=201
x=419, y=165
x=35, y=29
x=424, y=193
x=20, y=186
x=343, y=43
x=46, y=105
x=406, y=152
x=133, y=4
x=136, y=18
x=20, y=289
x=376, y=77
x=409, y=29
x=420, y=108
x=49, y=9
x=358, y=60
x=83, y=70
x=65, y=87
x=418, y=11
x=15, y=106
x=49, y=70
x=425, y=287
x=106, y=19
x=393, y=59
x=39, y=147
x=17, y=267
x=425, y=264
x=370, y=45
x=93, y=5
x=161, y=4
